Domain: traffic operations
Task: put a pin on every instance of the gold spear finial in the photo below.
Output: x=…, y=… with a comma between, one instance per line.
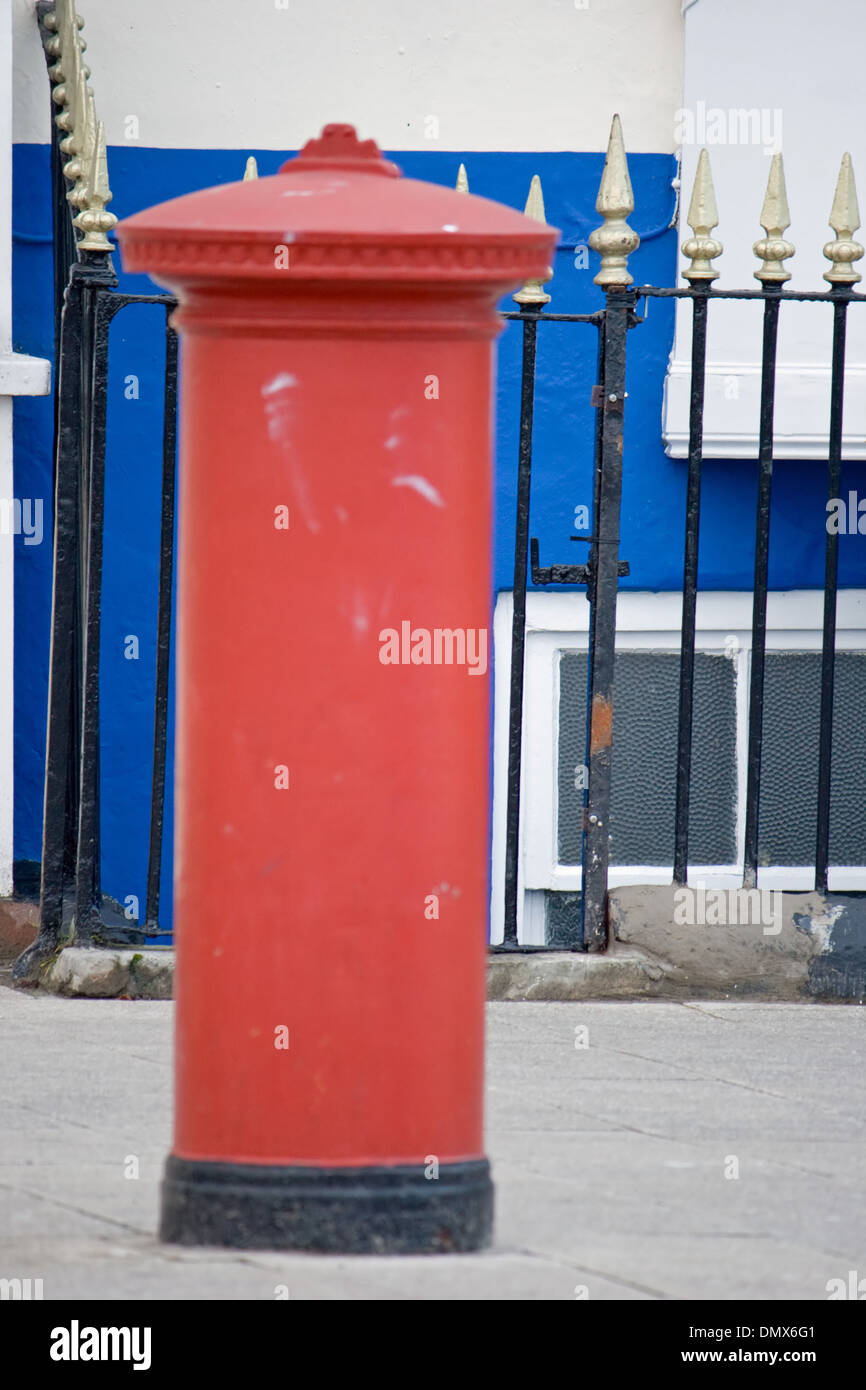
x=772, y=249
x=52, y=48
x=462, y=184
x=62, y=24
x=93, y=220
x=62, y=19
x=75, y=76
x=65, y=45
x=86, y=167
x=844, y=219
x=533, y=290
x=703, y=217
x=252, y=169
x=614, y=240
x=67, y=71
x=85, y=142
x=79, y=99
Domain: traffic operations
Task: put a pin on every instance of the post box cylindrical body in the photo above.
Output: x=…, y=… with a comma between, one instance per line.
x=333, y=655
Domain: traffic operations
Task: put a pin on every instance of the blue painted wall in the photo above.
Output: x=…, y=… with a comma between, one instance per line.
x=653, y=492
x=33, y=332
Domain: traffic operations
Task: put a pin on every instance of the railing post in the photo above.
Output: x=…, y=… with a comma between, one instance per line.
x=531, y=299
x=100, y=309
x=773, y=251
x=70, y=840
x=614, y=241
x=842, y=251
x=163, y=628
x=700, y=249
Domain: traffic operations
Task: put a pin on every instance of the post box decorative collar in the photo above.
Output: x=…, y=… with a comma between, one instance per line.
x=338, y=211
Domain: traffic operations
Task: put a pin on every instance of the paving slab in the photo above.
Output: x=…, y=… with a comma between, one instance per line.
x=611, y=1158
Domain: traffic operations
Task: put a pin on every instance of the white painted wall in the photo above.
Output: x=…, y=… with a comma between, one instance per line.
x=806, y=62
x=267, y=74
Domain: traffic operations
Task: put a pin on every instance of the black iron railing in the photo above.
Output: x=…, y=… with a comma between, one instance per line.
x=600, y=575
x=601, y=572
x=772, y=296
x=72, y=903
x=73, y=906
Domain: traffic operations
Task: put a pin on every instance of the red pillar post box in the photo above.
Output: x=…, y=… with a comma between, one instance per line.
x=333, y=653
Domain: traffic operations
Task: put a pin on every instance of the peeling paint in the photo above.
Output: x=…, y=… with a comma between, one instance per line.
x=601, y=725
x=279, y=408
x=820, y=925
x=421, y=486
x=354, y=610
x=283, y=382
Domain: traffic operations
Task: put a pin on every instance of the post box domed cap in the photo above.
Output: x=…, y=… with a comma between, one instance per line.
x=337, y=211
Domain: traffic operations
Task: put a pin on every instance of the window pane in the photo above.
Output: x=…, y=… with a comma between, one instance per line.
x=789, y=769
x=644, y=758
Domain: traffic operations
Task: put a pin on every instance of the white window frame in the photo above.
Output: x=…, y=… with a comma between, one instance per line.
x=645, y=622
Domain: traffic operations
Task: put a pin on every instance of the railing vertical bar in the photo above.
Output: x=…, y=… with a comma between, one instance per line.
x=88, y=895
x=690, y=585
x=831, y=575
x=518, y=630
x=604, y=587
x=591, y=579
x=62, y=676
x=759, y=600
x=163, y=636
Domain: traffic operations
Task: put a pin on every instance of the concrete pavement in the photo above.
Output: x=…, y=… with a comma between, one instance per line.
x=641, y=1150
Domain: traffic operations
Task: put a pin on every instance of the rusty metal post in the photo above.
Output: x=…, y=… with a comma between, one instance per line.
x=614, y=241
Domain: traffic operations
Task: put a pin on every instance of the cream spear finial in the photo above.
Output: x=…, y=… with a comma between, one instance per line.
x=703, y=216
x=93, y=220
x=614, y=240
x=772, y=249
x=844, y=219
x=533, y=290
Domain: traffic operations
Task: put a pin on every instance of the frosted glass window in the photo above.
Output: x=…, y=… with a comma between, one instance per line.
x=646, y=686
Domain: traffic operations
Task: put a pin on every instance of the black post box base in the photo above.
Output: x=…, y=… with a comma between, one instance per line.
x=379, y=1210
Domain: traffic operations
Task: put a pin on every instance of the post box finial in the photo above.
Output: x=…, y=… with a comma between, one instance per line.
x=338, y=147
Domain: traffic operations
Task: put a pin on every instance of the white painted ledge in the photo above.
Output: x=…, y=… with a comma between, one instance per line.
x=732, y=408
x=21, y=375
